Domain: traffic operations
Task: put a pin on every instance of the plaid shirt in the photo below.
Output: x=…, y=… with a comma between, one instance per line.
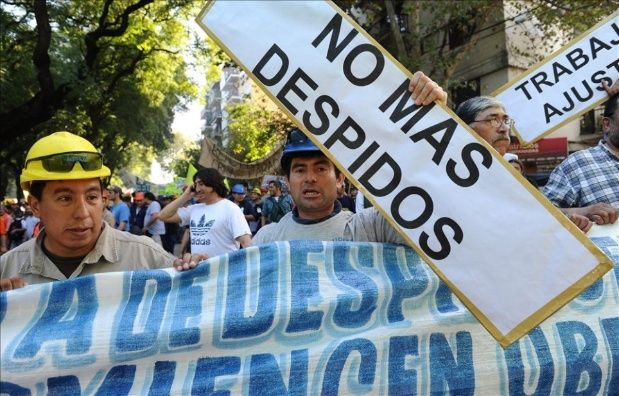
x=586, y=177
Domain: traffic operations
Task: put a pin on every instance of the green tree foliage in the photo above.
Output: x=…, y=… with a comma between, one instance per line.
x=112, y=71
x=180, y=153
x=256, y=127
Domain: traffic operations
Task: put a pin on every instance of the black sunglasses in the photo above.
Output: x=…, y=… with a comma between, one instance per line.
x=65, y=162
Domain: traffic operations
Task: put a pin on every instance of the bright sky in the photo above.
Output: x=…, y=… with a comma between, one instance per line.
x=190, y=125
x=188, y=122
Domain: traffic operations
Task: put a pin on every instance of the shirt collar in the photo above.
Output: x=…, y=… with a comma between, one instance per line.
x=106, y=246
x=605, y=146
x=337, y=208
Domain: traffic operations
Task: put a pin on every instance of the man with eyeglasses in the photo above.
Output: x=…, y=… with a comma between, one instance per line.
x=65, y=177
x=587, y=182
x=488, y=118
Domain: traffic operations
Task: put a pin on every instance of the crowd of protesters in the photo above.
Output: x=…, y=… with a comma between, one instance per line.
x=136, y=212
x=17, y=225
x=207, y=219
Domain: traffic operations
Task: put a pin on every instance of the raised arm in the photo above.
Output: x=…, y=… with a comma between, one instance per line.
x=168, y=213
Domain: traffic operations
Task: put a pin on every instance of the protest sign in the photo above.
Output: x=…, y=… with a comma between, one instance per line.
x=564, y=85
x=298, y=318
x=463, y=208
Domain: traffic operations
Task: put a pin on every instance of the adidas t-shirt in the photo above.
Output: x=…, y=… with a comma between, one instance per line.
x=214, y=228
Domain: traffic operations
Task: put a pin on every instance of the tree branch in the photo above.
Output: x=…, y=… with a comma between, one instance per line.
x=115, y=29
x=40, y=56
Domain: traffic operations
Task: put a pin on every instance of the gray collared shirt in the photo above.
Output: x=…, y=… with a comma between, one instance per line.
x=114, y=251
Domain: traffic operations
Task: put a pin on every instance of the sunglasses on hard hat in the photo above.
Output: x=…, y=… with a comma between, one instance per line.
x=65, y=162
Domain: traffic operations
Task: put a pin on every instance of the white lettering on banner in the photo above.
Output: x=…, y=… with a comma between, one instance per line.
x=454, y=199
x=304, y=317
x=565, y=85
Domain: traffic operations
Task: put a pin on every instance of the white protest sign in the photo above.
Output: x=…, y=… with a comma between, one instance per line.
x=564, y=85
x=460, y=205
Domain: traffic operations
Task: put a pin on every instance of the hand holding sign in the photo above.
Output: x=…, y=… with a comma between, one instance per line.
x=424, y=91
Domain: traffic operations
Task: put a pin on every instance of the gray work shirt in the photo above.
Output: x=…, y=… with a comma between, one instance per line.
x=114, y=251
x=366, y=226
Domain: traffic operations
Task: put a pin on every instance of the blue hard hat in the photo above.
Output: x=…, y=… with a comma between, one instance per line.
x=238, y=188
x=296, y=143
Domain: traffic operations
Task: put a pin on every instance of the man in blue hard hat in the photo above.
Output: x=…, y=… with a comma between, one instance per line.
x=313, y=180
x=238, y=197
x=318, y=215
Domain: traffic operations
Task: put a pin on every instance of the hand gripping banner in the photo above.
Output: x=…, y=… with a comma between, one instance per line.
x=297, y=318
x=484, y=230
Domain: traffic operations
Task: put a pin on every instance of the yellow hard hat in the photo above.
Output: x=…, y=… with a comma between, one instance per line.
x=62, y=156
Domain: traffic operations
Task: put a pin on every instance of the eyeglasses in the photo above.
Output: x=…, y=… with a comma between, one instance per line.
x=65, y=162
x=497, y=122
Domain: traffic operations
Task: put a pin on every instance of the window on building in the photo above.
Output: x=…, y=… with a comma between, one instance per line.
x=462, y=91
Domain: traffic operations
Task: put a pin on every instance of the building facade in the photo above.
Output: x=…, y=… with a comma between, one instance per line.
x=234, y=87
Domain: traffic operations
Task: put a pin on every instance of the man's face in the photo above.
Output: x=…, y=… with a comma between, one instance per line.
x=610, y=125
x=313, y=186
x=204, y=193
x=498, y=137
x=272, y=189
x=255, y=196
x=238, y=197
x=72, y=212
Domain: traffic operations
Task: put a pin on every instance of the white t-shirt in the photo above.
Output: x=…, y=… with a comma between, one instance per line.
x=215, y=227
x=158, y=227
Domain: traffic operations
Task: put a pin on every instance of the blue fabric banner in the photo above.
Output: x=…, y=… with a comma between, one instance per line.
x=296, y=318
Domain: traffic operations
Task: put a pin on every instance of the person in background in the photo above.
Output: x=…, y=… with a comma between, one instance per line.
x=108, y=216
x=170, y=237
x=346, y=201
x=5, y=223
x=519, y=166
x=256, y=201
x=488, y=118
x=276, y=205
x=30, y=221
x=587, y=182
x=17, y=230
x=119, y=209
x=137, y=212
x=153, y=227
x=238, y=197
x=216, y=225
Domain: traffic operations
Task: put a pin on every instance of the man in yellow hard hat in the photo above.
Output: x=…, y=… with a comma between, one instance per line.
x=65, y=177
